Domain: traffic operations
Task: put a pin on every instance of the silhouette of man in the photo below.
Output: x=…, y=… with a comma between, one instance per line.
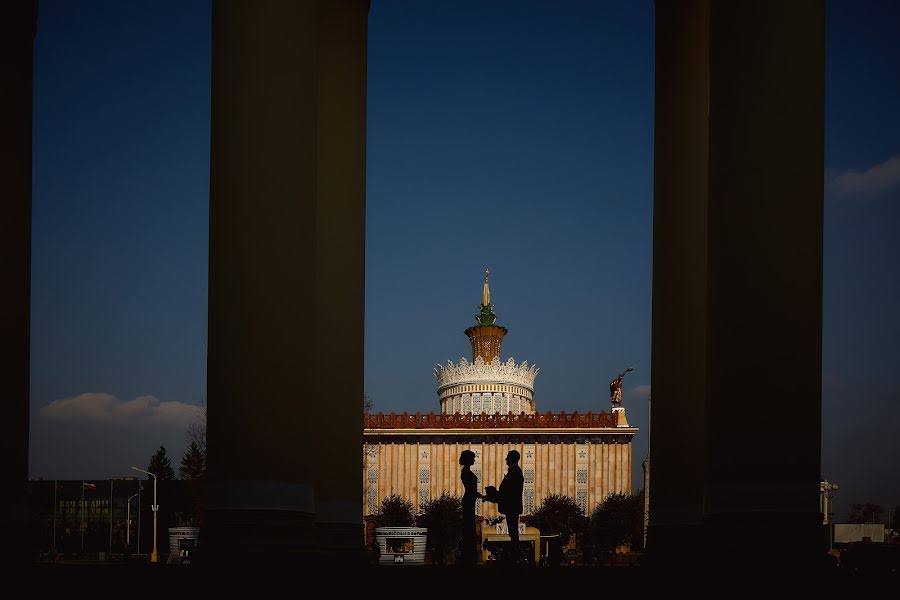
x=509, y=501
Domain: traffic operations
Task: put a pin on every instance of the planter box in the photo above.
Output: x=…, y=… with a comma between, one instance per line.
x=401, y=545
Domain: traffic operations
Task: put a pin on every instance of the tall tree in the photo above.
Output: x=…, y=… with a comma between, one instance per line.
x=395, y=511
x=193, y=464
x=193, y=470
x=557, y=515
x=443, y=516
x=196, y=431
x=161, y=466
x=618, y=521
x=865, y=513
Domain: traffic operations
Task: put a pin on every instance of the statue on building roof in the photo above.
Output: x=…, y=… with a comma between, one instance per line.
x=615, y=388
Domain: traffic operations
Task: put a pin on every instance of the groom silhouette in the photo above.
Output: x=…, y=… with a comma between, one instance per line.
x=509, y=499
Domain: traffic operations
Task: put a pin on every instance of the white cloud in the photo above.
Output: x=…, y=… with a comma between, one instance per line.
x=638, y=392
x=875, y=180
x=92, y=407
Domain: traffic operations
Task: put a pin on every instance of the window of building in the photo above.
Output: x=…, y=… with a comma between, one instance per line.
x=581, y=476
x=372, y=500
x=581, y=499
x=478, y=500
x=529, y=475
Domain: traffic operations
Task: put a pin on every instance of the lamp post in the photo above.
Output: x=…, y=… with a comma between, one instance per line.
x=128, y=522
x=154, y=557
x=826, y=493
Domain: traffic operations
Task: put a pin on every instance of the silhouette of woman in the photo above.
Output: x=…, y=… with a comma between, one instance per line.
x=470, y=483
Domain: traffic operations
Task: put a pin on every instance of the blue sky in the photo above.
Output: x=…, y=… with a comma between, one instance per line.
x=514, y=135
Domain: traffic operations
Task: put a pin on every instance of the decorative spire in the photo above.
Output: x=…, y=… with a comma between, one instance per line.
x=487, y=316
x=485, y=336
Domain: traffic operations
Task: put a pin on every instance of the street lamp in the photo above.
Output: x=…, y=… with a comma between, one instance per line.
x=128, y=522
x=826, y=494
x=154, y=557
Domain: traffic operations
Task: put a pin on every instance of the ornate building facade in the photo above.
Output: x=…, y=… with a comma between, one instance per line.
x=488, y=406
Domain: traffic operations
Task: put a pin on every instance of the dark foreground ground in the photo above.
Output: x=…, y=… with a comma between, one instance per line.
x=327, y=580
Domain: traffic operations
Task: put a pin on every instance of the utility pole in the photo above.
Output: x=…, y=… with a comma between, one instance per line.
x=826, y=493
x=154, y=556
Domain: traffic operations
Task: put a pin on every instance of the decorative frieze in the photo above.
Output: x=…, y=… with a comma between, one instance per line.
x=480, y=371
x=581, y=495
x=587, y=420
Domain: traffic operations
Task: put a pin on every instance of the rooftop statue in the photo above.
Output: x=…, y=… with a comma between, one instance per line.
x=615, y=388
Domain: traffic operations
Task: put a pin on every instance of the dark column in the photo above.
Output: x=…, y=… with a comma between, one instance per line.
x=737, y=280
x=17, y=30
x=764, y=335
x=340, y=269
x=287, y=165
x=680, y=200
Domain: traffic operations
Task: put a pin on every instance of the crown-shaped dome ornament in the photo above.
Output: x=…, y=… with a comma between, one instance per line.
x=486, y=384
x=495, y=371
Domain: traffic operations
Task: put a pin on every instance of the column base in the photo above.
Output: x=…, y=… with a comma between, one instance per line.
x=266, y=537
x=739, y=542
x=790, y=541
x=22, y=531
x=674, y=546
x=274, y=521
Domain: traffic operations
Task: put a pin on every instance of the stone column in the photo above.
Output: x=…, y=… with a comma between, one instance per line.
x=764, y=311
x=340, y=260
x=384, y=466
x=678, y=351
x=437, y=471
x=286, y=287
x=737, y=278
x=646, y=520
x=413, y=473
x=397, y=467
x=626, y=468
x=604, y=469
x=17, y=31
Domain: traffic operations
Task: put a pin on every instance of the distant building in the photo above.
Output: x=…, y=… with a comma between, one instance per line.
x=112, y=516
x=488, y=406
x=847, y=533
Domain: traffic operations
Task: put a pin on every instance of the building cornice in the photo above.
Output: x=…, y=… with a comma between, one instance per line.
x=480, y=422
x=568, y=431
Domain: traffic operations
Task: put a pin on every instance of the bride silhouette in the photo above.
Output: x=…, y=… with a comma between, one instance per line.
x=470, y=483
